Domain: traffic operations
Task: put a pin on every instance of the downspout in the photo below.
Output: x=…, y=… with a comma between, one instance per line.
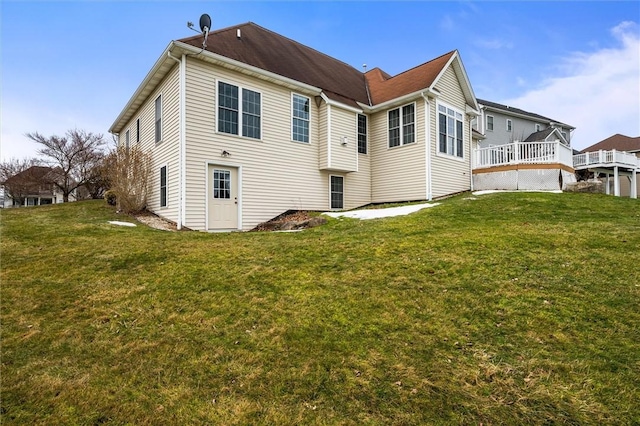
x=427, y=138
x=182, y=148
x=470, y=152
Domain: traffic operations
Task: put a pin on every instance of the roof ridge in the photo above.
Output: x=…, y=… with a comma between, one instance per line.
x=422, y=64
x=303, y=45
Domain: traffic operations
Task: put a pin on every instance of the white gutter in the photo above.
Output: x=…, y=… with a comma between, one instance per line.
x=427, y=138
x=142, y=86
x=182, y=139
x=340, y=105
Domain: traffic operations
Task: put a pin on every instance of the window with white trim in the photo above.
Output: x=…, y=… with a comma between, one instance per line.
x=138, y=130
x=300, y=118
x=362, y=134
x=234, y=115
x=126, y=140
x=537, y=127
x=158, y=122
x=163, y=186
x=402, y=130
x=490, y=122
x=450, y=131
x=337, y=192
x=509, y=125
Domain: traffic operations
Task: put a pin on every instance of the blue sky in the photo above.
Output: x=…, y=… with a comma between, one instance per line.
x=75, y=64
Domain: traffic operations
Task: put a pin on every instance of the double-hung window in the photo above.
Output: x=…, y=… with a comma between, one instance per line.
x=362, y=134
x=490, y=122
x=163, y=186
x=402, y=125
x=300, y=118
x=234, y=114
x=509, y=125
x=450, y=132
x=126, y=140
x=158, y=119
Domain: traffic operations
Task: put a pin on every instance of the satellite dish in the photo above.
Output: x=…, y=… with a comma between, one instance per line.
x=205, y=23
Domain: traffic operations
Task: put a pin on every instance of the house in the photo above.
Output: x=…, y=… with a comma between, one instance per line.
x=616, y=161
x=32, y=187
x=520, y=149
x=252, y=124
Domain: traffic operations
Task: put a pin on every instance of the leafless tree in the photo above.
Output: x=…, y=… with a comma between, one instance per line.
x=127, y=171
x=18, y=178
x=74, y=158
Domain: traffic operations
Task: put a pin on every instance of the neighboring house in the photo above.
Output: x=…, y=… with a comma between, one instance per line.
x=503, y=124
x=520, y=149
x=32, y=187
x=611, y=160
x=256, y=124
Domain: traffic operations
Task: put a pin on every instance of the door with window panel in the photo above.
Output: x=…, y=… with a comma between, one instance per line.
x=223, y=198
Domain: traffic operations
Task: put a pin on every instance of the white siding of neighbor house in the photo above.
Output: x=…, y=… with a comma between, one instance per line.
x=164, y=153
x=278, y=174
x=398, y=173
x=521, y=129
x=450, y=174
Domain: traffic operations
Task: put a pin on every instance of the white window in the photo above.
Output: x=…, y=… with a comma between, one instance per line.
x=234, y=115
x=450, y=131
x=509, y=125
x=337, y=192
x=300, y=118
x=362, y=134
x=126, y=140
x=158, y=119
x=490, y=122
x=163, y=186
x=402, y=128
x=138, y=130
x=537, y=127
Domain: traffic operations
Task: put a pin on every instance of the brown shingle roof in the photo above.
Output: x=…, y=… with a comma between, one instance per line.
x=384, y=88
x=618, y=142
x=280, y=55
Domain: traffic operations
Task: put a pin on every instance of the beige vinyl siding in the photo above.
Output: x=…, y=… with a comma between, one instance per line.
x=357, y=191
x=278, y=174
x=399, y=173
x=450, y=174
x=323, y=123
x=166, y=152
x=343, y=124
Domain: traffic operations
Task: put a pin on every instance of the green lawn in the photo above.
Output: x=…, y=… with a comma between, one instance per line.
x=506, y=309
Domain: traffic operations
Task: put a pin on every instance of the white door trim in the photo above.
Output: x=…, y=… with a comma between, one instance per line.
x=221, y=163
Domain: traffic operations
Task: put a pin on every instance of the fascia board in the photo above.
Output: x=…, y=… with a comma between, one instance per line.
x=116, y=127
x=467, y=89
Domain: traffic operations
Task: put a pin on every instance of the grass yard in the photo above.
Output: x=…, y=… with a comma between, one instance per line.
x=507, y=309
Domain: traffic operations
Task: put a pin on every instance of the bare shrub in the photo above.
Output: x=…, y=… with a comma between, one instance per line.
x=128, y=172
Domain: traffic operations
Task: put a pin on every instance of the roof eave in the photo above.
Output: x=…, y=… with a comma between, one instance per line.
x=143, y=90
x=467, y=89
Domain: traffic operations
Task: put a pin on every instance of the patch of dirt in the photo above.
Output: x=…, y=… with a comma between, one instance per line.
x=290, y=221
x=155, y=221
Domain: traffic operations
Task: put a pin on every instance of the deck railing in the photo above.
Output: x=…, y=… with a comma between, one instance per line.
x=605, y=158
x=523, y=153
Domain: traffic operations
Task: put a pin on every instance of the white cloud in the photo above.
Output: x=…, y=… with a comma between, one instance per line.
x=597, y=92
x=447, y=23
x=494, y=44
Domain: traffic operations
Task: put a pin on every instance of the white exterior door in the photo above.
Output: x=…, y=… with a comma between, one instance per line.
x=222, y=198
